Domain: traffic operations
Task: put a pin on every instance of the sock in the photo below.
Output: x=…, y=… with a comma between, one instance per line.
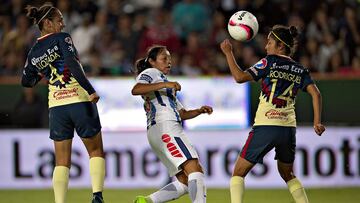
x=197, y=189
x=297, y=191
x=169, y=192
x=237, y=189
x=99, y=194
x=97, y=173
x=60, y=183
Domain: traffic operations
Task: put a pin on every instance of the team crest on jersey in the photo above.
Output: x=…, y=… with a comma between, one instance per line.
x=261, y=64
x=68, y=40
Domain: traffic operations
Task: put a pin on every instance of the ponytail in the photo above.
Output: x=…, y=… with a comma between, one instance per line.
x=287, y=36
x=143, y=63
x=38, y=15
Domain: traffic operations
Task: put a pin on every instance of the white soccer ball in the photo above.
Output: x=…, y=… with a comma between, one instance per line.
x=243, y=26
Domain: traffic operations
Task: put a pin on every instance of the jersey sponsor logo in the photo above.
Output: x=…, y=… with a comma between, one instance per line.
x=275, y=114
x=65, y=94
x=261, y=64
x=146, y=77
x=49, y=56
x=171, y=146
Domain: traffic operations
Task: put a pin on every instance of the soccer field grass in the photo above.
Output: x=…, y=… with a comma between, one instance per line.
x=334, y=195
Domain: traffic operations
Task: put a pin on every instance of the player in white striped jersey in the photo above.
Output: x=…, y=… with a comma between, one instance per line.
x=164, y=130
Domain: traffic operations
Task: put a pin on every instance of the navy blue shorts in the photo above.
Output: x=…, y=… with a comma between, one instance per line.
x=83, y=117
x=262, y=139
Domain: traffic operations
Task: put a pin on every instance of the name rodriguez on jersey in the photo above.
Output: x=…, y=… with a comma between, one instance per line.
x=286, y=76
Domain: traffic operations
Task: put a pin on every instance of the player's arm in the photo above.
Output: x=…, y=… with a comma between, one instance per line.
x=239, y=75
x=144, y=88
x=71, y=60
x=317, y=105
x=78, y=73
x=30, y=76
x=189, y=114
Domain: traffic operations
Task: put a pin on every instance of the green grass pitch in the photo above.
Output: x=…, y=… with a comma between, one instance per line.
x=333, y=195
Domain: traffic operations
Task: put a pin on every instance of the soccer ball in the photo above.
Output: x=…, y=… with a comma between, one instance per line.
x=243, y=26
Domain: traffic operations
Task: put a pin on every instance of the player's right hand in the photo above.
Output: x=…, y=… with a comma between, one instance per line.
x=173, y=85
x=319, y=128
x=226, y=46
x=94, y=98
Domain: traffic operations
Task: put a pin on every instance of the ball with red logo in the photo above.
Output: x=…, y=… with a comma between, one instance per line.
x=243, y=26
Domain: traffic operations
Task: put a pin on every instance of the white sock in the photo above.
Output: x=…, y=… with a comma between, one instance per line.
x=169, y=192
x=197, y=189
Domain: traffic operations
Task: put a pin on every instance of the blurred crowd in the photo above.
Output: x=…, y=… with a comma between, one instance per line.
x=111, y=34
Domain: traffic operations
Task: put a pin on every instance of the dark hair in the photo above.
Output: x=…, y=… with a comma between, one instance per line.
x=38, y=15
x=285, y=35
x=143, y=63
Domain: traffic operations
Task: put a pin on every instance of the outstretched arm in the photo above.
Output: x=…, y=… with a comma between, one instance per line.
x=317, y=102
x=239, y=75
x=143, y=88
x=184, y=114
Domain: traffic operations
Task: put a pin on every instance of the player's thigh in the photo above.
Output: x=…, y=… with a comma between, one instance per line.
x=242, y=167
x=94, y=145
x=63, y=152
x=170, y=144
x=60, y=123
x=86, y=119
x=260, y=141
x=285, y=144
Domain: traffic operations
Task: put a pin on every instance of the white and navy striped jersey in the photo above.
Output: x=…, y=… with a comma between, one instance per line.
x=161, y=105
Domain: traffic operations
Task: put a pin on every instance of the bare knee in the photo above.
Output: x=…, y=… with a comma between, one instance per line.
x=94, y=146
x=242, y=167
x=286, y=171
x=182, y=178
x=191, y=166
x=287, y=176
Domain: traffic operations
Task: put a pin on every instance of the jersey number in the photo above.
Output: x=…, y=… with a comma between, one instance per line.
x=286, y=95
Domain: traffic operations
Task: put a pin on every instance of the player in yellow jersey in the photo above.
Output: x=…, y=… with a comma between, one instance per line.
x=72, y=99
x=275, y=122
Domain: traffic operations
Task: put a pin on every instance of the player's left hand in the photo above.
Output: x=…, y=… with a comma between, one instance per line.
x=226, y=46
x=319, y=128
x=94, y=98
x=206, y=109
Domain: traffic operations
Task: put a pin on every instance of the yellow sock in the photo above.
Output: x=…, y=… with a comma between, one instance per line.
x=60, y=183
x=297, y=191
x=97, y=173
x=237, y=189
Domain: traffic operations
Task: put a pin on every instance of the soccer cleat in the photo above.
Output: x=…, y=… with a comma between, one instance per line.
x=140, y=199
x=97, y=199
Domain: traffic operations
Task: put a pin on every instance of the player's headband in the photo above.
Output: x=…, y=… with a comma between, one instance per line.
x=42, y=18
x=277, y=37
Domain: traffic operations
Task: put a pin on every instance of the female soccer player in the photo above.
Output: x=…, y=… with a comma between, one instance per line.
x=164, y=131
x=275, y=123
x=72, y=99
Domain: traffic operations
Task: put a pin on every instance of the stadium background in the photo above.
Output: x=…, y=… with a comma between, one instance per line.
x=111, y=34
